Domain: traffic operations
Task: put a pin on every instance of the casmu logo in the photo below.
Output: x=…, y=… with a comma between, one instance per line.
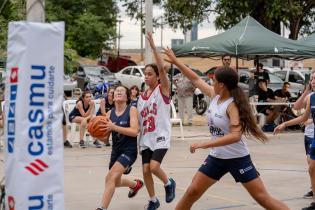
x=36, y=167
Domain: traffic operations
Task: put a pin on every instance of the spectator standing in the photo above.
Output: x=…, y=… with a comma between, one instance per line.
x=185, y=92
x=226, y=60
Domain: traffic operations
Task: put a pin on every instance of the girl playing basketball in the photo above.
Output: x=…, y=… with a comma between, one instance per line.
x=229, y=117
x=124, y=126
x=155, y=128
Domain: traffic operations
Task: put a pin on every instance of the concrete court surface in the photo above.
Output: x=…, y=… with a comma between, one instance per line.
x=281, y=163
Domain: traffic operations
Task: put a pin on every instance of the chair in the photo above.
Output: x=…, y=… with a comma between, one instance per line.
x=68, y=106
x=175, y=119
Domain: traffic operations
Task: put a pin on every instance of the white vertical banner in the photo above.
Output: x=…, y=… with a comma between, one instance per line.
x=34, y=92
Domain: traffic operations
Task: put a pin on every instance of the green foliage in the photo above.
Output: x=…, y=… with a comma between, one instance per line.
x=90, y=24
x=297, y=15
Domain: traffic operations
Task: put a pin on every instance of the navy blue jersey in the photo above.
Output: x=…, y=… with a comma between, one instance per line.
x=134, y=102
x=120, y=141
x=75, y=112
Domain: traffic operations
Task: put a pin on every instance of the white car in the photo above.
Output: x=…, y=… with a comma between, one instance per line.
x=130, y=76
x=295, y=77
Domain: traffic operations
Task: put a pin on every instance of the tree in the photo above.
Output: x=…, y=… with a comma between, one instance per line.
x=297, y=15
x=90, y=24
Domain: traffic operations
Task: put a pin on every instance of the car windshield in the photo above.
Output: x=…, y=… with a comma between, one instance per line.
x=274, y=79
x=96, y=71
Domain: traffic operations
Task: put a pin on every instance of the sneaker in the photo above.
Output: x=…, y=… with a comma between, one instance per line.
x=97, y=144
x=310, y=207
x=308, y=194
x=152, y=205
x=128, y=170
x=133, y=191
x=107, y=144
x=99, y=209
x=82, y=144
x=67, y=144
x=170, y=191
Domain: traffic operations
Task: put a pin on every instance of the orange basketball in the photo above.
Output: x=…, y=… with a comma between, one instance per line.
x=94, y=127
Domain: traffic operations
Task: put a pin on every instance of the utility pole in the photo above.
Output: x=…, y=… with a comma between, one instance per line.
x=148, y=28
x=35, y=10
x=141, y=32
x=162, y=32
x=118, y=49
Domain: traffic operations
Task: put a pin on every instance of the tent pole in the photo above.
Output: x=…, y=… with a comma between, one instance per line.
x=171, y=78
x=236, y=63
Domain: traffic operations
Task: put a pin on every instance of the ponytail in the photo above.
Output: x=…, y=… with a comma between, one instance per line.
x=247, y=120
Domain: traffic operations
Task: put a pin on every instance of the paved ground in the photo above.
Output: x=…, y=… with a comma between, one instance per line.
x=281, y=163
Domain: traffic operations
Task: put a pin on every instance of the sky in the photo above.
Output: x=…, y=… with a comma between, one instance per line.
x=130, y=31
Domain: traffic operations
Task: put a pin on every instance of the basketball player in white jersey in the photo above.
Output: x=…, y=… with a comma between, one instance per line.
x=229, y=117
x=155, y=128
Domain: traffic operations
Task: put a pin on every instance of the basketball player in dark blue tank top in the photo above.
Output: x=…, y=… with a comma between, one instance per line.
x=310, y=109
x=124, y=126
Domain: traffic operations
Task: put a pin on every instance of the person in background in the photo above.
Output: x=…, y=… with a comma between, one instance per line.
x=309, y=127
x=185, y=92
x=226, y=60
x=284, y=92
x=106, y=105
x=134, y=95
x=81, y=114
x=261, y=74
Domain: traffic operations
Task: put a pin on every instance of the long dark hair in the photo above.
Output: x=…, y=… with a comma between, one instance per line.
x=83, y=95
x=229, y=78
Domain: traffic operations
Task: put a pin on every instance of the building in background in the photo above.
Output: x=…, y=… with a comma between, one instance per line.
x=192, y=34
x=176, y=42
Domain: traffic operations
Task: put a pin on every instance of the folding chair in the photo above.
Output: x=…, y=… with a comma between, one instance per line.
x=175, y=120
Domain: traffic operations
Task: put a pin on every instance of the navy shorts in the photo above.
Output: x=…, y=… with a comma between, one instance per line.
x=242, y=169
x=312, y=150
x=307, y=144
x=125, y=158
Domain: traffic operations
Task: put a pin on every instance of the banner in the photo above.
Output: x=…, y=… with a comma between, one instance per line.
x=33, y=101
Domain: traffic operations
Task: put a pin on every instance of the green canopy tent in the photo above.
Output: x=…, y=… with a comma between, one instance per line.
x=248, y=39
x=309, y=40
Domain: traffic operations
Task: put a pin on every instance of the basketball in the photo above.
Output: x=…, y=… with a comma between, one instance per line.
x=95, y=125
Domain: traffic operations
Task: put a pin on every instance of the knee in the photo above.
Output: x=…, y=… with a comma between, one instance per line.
x=154, y=168
x=311, y=168
x=146, y=171
x=192, y=192
x=111, y=178
x=83, y=122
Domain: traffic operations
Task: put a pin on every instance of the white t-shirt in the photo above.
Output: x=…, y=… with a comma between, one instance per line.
x=155, y=123
x=219, y=126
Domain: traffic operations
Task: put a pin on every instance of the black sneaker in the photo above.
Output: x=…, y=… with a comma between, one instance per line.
x=82, y=144
x=308, y=194
x=99, y=209
x=67, y=144
x=128, y=170
x=170, y=191
x=310, y=207
x=107, y=144
x=97, y=144
x=152, y=205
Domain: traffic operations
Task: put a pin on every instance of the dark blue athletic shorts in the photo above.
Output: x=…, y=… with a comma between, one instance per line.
x=125, y=158
x=242, y=169
x=312, y=150
x=307, y=144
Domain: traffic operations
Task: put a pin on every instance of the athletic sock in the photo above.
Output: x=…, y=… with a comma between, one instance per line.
x=168, y=182
x=153, y=199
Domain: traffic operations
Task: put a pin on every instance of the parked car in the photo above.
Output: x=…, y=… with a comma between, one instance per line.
x=275, y=83
x=296, y=78
x=89, y=76
x=69, y=85
x=130, y=76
